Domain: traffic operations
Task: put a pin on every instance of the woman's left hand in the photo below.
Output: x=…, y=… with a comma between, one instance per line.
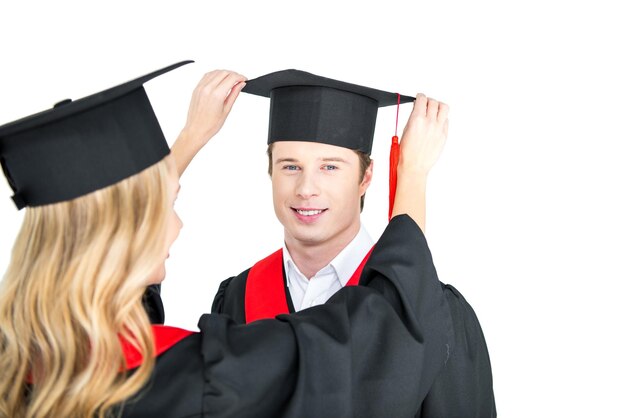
x=211, y=102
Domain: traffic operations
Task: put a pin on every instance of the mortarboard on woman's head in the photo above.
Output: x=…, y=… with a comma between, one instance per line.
x=81, y=146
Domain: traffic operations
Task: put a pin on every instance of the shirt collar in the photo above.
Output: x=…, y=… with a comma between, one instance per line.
x=343, y=265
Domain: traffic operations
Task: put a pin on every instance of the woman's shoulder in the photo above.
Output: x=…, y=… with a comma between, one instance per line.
x=176, y=386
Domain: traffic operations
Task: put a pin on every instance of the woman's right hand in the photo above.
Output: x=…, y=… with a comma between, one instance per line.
x=422, y=142
x=424, y=135
x=211, y=102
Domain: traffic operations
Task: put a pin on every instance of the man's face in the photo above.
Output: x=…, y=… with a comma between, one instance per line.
x=317, y=190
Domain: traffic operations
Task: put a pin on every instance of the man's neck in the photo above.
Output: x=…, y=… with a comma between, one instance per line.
x=311, y=258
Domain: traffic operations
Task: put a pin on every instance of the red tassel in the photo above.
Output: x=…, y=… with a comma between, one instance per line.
x=394, y=157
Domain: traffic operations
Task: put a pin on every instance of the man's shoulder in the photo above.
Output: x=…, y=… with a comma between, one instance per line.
x=231, y=294
x=234, y=286
x=230, y=297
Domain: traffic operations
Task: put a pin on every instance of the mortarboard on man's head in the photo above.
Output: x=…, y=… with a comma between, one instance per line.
x=81, y=146
x=307, y=107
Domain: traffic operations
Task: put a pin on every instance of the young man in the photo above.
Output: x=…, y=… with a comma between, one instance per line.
x=320, y=137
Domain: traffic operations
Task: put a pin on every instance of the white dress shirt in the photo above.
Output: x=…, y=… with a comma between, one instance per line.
x=319, y=288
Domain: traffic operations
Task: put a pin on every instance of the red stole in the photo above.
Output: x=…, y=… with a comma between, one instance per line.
x=164, y=338
x=265, y=287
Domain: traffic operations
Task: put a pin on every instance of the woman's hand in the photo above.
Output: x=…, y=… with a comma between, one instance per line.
x=211, y=102
x=424, y=135
x=422, y=142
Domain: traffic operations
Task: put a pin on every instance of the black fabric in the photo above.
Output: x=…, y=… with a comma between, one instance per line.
x=365, y=353
x=153, y=304
x=230, y=297
x=176, y=387
x=320, y=114
x=82, y=146
x=464, y=388
x=308, y=107
x=287, y=293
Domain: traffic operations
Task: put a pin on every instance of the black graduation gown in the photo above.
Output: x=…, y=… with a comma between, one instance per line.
x=365, y=353
x=464, y=388
x=153, y=304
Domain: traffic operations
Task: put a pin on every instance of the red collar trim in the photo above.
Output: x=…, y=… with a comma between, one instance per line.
x=164, y=338
x=265, y=288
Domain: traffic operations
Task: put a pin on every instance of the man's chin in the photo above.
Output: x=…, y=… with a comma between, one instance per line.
x=308, y=238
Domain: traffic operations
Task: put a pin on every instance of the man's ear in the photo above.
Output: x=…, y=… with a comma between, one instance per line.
x=367, y=178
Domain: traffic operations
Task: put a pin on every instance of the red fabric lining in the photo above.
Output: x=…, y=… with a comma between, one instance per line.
x=265, y=288
x=164, y=338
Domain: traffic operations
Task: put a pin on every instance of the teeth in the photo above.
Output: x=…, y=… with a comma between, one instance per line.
x=308, y=212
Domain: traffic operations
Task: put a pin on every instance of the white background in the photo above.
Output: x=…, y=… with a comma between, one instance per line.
x=525, y=207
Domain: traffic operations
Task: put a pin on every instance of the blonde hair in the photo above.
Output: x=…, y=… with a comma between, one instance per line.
x=73, y=287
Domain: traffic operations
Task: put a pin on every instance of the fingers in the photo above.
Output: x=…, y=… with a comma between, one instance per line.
x=226, y=79
x=214, y=78
x=424, y=134
x=230, y=87
x=211, y=103
x=230, y=81
x=430, y=108
x=421, y=104
x=232, y=96
x=208, y=80
x=219, y=82
x=216, y=93
x=442, y=115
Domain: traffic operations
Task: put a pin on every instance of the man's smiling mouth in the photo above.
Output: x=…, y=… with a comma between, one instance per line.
x=308, y=212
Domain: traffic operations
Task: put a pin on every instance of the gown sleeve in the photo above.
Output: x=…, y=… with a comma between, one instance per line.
x=367, y=352
x=465, y=385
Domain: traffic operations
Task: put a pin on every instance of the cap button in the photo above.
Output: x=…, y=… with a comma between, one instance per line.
x=63, y=103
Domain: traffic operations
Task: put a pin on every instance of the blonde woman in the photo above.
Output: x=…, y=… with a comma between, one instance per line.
x=99, y=183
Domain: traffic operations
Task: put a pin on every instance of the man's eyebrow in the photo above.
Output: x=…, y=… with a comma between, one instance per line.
x=285, y=160
x=327, y=159
x=335, y=159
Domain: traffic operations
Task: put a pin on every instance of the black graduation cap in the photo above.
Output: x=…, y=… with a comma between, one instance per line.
x=81, y=146
x=307, y=107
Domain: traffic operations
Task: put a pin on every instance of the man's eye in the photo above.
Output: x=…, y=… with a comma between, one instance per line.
x=330, y=167
x=290, y=167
